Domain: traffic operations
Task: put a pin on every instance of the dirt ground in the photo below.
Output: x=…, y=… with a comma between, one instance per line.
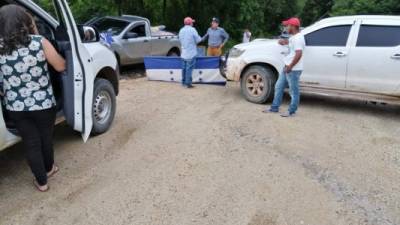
x=206, y=156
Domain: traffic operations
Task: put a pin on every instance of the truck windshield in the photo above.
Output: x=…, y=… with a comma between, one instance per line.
x=115, y=27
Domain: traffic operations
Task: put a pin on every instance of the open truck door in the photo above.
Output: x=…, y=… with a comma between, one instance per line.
x=78, y=80
x=91, y=70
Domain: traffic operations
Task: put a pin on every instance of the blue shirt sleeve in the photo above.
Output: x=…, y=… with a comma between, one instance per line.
x=225, y=35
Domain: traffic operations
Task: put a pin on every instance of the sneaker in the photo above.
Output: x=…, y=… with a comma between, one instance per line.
x=288, y=114
x=270, y=111
x=189, y=86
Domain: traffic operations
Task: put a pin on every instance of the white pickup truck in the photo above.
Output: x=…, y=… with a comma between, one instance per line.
x=355, y=57
x=86, y=91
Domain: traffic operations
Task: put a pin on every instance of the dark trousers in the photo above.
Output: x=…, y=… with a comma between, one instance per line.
x=36, y=129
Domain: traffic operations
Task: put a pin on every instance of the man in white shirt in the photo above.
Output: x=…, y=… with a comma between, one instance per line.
x=290, y=75
x=246, y=36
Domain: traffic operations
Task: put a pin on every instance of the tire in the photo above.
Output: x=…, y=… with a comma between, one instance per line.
x=223, y=66
x=257, y=84
x=104, y=106
x=173, y=53
x=118, y=59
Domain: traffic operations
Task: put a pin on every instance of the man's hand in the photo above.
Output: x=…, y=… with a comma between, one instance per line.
x=288, y=69
x=297, y=57
x=283, y=42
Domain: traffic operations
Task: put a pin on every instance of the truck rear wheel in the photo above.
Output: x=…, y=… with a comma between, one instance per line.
x=257, y=84
x=104, y=106
x=173, y=53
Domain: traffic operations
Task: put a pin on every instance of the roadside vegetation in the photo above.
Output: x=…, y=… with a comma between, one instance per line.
x=262, y=17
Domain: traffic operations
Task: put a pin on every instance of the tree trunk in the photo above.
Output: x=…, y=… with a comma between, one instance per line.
x=119, y=5
x=164, y=12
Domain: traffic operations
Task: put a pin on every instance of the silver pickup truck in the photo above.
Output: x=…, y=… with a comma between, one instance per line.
x=134, y=38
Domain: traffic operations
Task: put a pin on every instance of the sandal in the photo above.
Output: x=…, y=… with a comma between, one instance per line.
x=53, y=171
x=40, y=188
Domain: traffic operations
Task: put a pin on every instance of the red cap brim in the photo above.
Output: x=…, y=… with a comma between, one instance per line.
x=292, y=21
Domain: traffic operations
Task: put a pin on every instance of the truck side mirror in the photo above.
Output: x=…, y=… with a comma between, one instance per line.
x=130, y=35
x=89, y=34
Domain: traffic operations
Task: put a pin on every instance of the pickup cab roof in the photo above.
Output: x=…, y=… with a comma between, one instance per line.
x=339, y=19
x=124, y=18
x=131, y=18
x=348, y=20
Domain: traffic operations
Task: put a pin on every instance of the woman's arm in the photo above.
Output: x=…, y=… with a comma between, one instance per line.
x=52, y=56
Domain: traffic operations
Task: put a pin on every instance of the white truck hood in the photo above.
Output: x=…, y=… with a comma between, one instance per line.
x=257, y=44
x=267, y=51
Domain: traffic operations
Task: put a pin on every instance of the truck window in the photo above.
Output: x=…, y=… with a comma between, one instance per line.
x=378, y=36
x=329, y=36
x=115, y=27
x=140, y=30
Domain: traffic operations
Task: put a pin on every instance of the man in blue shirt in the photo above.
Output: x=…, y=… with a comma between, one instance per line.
x=217, y=38
x=189, y=38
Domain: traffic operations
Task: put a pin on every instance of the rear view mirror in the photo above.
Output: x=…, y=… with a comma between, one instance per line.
x=130, y=35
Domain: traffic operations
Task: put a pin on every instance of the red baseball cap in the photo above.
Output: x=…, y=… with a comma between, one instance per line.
x=294, y=21
x=188, y=21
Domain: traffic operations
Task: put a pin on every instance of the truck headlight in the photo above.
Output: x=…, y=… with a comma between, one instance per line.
x=235, y=52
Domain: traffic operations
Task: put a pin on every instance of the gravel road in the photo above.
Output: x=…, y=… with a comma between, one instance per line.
x=206, y=156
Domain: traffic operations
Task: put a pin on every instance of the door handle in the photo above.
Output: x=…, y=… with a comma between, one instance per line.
x=396, y=56
x=339, y=54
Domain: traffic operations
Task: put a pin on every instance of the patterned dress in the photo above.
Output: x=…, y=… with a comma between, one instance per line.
x=26, y=80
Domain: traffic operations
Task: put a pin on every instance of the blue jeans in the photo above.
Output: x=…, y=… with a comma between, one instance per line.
x=287, y=79
x=187, y=70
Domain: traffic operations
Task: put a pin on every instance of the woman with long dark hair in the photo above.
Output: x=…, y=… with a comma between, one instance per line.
x=28, y=93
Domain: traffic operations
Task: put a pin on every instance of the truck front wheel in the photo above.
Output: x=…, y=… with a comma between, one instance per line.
x=104, y=106
x=257, y=84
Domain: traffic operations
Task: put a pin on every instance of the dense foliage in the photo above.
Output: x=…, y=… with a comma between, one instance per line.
x=262, y=17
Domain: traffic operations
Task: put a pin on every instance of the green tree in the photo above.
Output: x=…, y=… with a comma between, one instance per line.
x=315, y=9
x=345, y=7
x=86, y=9
x=262, y=17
